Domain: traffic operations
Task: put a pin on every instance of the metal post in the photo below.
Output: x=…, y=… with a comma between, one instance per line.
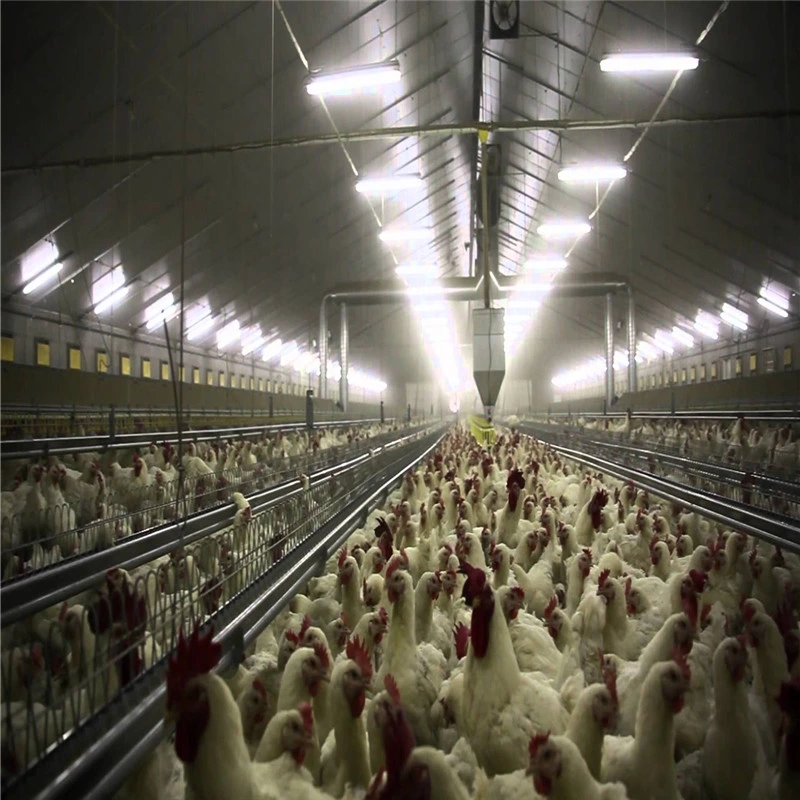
x=310, y=409
x=609, y=350
x=382, y=413
x=487, y=302
x=344, y=356
x=408, y=412
x=631, y=341
x=323, y=351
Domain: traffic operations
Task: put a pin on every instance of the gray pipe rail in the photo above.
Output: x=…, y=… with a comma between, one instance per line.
x=609, y=342
x=111, y=757
x=772, y=528
x=787, y=415
x=33, y=448
x=344, y=355
x=26, y=595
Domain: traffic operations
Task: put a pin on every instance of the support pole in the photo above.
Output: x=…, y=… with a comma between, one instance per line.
x=344, y=355
x=487, y=302
x=609, y=350
x=631, y=341
x=323, y=351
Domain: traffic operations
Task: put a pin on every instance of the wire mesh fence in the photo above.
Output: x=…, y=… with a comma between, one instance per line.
x=63, y=666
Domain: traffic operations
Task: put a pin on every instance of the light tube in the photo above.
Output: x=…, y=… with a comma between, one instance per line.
x=228, y=334
x=252, y=344
x=405, y=234
x=272, y=349
x=417, y=270
x=288, y=353
x=197, y=329
x=774, y=297
x=111, y=299
x=770, y=306
x=545, y=264
x=388, y=184
x=648, y=62
x=163, y=315
x=352, y=81
x=707, y=325
x=733, y=321
x=38, y=258
x=563, y=230
x=592, y=173
x=682, y=336
x=42, y=278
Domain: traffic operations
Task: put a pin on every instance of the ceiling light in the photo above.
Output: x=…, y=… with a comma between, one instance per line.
x=775, y=298
x=707, y=325
x=111, y=300
x=353, y=81
x=43, y=277
x=389, y=184
x=648, y=62
x=229, y=333
x=252, y=344
x=198, y=328
x=417, y=271
x=103, y=288
x=272, y=350
x=170, y=312
x=592, y=173
x=682, y=336
x=405, y=234
x=563, y=230
x=42, y=255
x=289, y=353
x=662, y=341
x=770, y=306
x=531, y=287
x=545, y=264
x=163, y=310
x=733, y=316
x=647, y=350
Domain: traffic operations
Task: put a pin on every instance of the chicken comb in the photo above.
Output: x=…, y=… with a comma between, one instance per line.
x=461, y=639
x=753, y=555
x=588, y=553
x=390, y=684
x=307, y=715
x=551, y=607
x=395, y=563
x=515, y=478
x=610, y=680
x=628, y=585
x=195, y=656
x=469, y=483
x=356, y=651
x=537, y=741
x=260, y=688
x=789, y=697
x=322, y=654
x=699, y=579
x=292, y=636
x=601, y=581
x=748, y=609
x=342, y=557
x=383, y=615
x=306, y=624
x=679, y=657
x=518, y=592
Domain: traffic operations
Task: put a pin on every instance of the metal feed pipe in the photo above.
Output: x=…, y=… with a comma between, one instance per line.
x=344, y=354
x=609, y=330
x=468, y=289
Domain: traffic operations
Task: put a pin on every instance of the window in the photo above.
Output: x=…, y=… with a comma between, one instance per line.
x=124, y=365
x=233, y=380
x=713, y=370
x=183, y=374
x=738, y=366
x=165, y=370
x=222, y=377
x=770, y=357
x=8, y=348
x=42, y=353
x=260, y=384
x=242, y=382
x=252, y=383
x=753, y=363
x=702, y=372
x=73, y=356
x=683, y=374
x=674, y=376
x=692, y=374
x=195, y=374
x=146, y=371
x=652, y=381
x=787, y=356
x=269, y=385
x=209, y=377
x=101, y=361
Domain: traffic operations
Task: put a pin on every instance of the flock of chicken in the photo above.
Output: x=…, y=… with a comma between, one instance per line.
x=57, y=508
x=507, y=627
x=741, y=442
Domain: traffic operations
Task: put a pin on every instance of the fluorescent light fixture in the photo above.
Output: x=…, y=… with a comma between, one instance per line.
x=111, y=300
x=770, y=306
x=531, y=287
x=620, y=359
x=227, y=334
x=43, y=277
x=389, y=184
x=680, y=335
x=775, y=298
x=200, y=327
x=648, y=62
x=353, y=81
x=647, y=350
x=545, y=264
x=662, y=341
x=165, y=316
x=252, y=344
x=417, y=271
x=272, y=349
x=592, y=173
x=163, y=310
x=289, y=353
x=41, y=256
x=303, y=361
x=405, y=234
x=733, y=316
x=707, y=325
x=563, y=230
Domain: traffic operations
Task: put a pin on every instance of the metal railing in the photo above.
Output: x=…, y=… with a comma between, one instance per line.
x=709, y=493
x=83, y=691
